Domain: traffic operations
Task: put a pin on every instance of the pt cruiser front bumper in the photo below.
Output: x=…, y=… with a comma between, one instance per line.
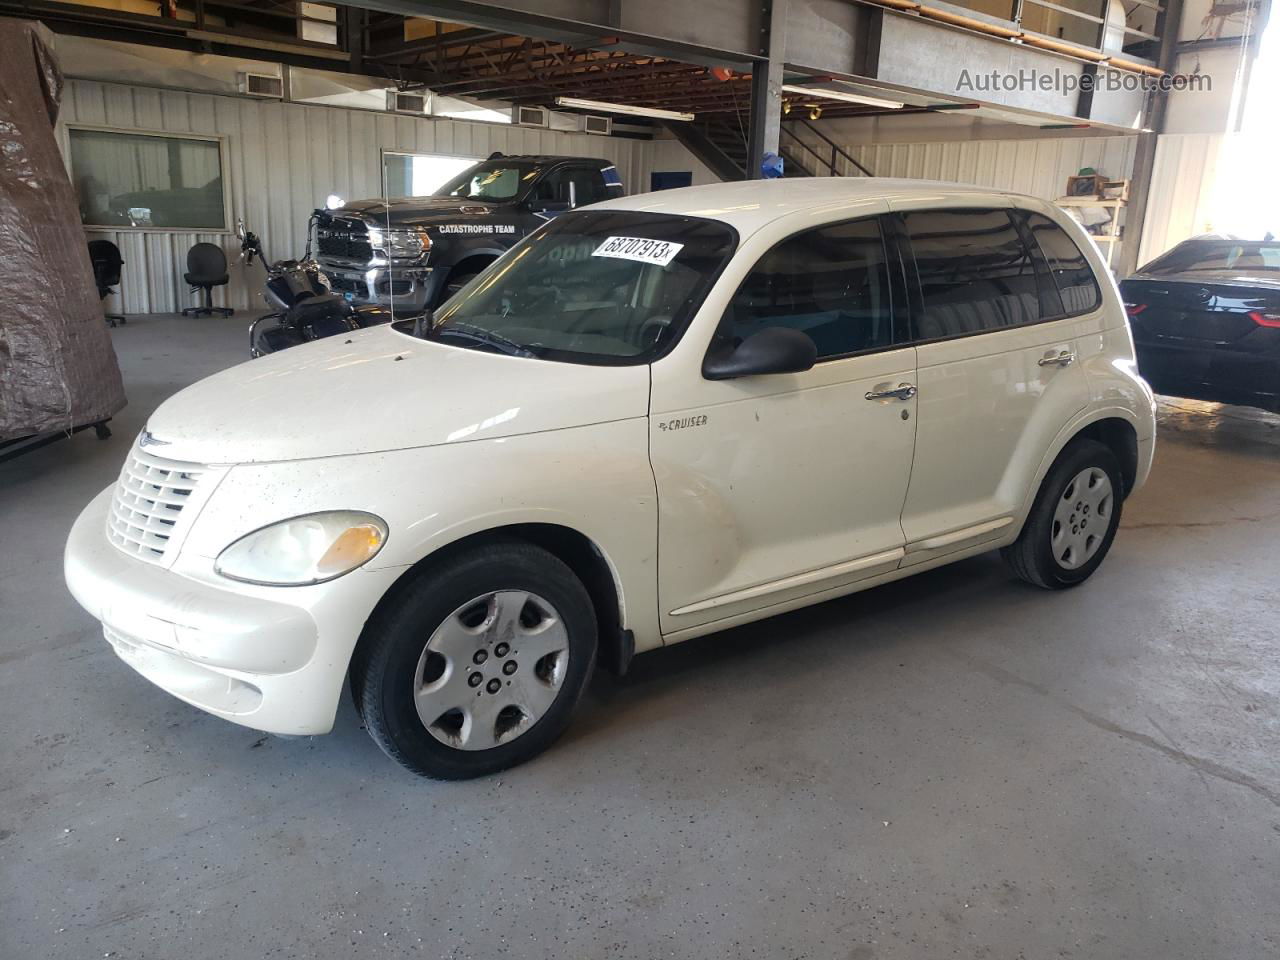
x=271, y=658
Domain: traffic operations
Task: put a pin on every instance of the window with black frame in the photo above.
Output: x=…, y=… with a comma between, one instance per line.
x=1071, y=271
x=976, y=273
x=830, y=283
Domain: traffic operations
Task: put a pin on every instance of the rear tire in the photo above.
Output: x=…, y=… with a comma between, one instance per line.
x=1073, y=520
x=478, y=665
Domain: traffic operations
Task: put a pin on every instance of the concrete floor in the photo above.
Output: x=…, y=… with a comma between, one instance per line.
x=954, y=765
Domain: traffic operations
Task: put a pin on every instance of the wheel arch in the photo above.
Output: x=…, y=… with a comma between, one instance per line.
x=473, y=262
x=1118, y=435
x=1113, y=427
x=581, y=554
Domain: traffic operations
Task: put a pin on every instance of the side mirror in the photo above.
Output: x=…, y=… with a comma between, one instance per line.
x=548, y=206
x=773, y=350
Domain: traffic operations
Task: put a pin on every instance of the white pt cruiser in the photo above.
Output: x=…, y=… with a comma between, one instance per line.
x=654, y=418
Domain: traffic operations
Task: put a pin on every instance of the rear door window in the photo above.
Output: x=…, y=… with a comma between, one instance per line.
x=976, y=273
x=831, y=283
x=1072, y=274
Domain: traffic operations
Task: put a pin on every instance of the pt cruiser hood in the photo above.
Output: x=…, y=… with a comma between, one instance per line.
x=378, y=390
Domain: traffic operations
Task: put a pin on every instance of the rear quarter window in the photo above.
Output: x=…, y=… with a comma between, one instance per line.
x=1072, y=274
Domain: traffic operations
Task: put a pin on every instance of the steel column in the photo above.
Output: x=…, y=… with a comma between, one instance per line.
x=766, y=86
x=1168, y=26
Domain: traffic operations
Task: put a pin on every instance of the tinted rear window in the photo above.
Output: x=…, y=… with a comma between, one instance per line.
x=1217, y=256
x=976, y=273
x=1071, y=271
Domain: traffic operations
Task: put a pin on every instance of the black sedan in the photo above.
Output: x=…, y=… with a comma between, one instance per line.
x=1206, y=320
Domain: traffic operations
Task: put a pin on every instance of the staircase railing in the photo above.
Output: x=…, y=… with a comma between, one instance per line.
x=793, y=164
x=697, y=142
x=836, y=151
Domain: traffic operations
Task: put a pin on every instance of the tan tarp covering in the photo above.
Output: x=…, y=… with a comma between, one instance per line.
x=57, y=367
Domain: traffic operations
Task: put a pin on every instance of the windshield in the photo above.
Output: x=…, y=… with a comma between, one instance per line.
x=606, y=287
x=492, y=180
x=1218, y=256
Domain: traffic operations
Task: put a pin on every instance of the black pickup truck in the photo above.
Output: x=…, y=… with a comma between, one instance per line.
x=414, y=253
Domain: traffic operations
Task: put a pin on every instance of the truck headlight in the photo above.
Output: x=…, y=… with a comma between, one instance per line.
x=401, y=243
x=304, y=550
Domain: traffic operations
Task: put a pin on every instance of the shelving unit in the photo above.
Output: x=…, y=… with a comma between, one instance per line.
x=1110, y=240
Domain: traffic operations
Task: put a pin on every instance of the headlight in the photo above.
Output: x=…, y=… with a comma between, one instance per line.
x=400, y=244
x=305, y=550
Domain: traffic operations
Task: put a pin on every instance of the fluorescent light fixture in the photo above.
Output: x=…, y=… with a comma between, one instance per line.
x=841, y=95
x=622, y=108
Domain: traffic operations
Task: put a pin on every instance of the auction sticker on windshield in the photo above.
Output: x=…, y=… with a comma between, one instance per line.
x=639, y=249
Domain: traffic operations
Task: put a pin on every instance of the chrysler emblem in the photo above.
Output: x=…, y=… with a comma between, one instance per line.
x=148, y=439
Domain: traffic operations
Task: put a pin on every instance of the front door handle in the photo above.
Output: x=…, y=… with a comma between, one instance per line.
x=1063, y=359
x=903, y=391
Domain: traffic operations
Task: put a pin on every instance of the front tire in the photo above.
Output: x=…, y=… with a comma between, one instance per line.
x=478, y=665
x=1073, y=520
x=455, y=283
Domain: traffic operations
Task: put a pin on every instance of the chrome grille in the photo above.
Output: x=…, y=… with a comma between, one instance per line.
x=348, y=239
x=148, y=501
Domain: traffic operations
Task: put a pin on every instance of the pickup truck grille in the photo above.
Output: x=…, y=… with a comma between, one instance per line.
x=344, y=239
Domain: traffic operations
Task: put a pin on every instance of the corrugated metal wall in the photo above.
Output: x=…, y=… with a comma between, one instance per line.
x=1182, y=195
x=1036, y=167
x=672, y=155
x=285, y=159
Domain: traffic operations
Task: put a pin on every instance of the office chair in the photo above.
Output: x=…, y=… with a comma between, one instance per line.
x=106, y=260
x=206, y=269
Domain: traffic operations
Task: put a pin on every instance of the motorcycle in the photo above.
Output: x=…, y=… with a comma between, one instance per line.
x=304, y=308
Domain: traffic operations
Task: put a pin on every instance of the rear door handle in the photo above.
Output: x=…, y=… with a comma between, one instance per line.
x=1063, y=359
x=903, y=391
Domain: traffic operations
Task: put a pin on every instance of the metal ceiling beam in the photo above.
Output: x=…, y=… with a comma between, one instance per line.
x=457, y=38
x=720, y=33
x=513, y=79
x=614, y=82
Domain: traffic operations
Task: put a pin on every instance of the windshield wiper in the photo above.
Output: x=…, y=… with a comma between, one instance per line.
x=466, y=331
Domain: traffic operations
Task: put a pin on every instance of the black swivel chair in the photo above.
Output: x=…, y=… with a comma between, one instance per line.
x=106, y=260
x=206, y=269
